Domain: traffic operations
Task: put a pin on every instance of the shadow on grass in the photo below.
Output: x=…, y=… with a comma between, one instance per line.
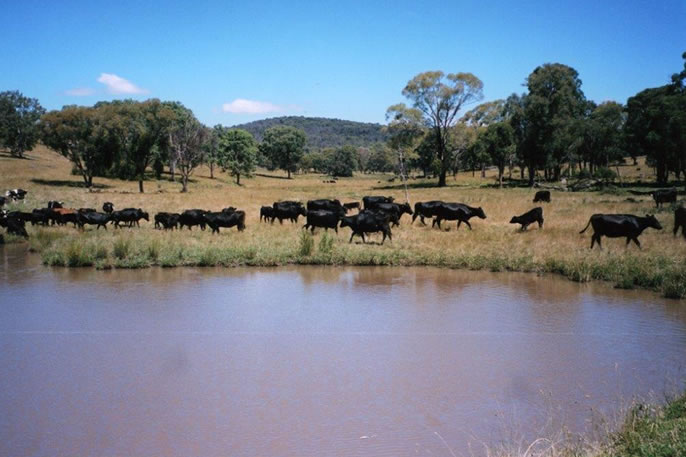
x=8, y=155
x=65, y=183
x=262, y=175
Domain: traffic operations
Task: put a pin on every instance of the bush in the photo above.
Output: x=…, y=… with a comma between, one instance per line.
x=306, y=244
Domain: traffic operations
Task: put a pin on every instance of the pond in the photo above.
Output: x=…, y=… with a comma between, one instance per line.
x=315, y=361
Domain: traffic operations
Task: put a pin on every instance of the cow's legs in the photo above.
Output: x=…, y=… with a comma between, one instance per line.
x=468, y=224
x=540, y=223
x=351, y=237
x=635, y=241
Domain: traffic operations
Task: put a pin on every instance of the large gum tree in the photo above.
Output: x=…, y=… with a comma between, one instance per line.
x=440, y=97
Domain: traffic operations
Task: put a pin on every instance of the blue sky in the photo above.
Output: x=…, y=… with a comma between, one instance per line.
x=232, y=62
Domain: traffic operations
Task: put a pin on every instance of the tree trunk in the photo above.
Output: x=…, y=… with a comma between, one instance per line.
x=483, y=170
x=289, y=174
x=140, y=185
x=441, y=178
x=532, y=171
x=172, y=169
x=184, y=182
x=500, y=176
x=238, y=179
x=211, y=170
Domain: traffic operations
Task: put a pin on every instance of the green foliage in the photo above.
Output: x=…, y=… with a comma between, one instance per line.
x=237, y=152
x=342, y=162
x=186, y=142
x=322, y=132
x=438, y=98
x=19, y=116
x=305, y=243
x=554, y=103
x=284, y=147
x=497, y=141
x=326, y=244
x=380, y=159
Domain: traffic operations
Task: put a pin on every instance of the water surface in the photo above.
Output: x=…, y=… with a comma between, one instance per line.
x=314, y=361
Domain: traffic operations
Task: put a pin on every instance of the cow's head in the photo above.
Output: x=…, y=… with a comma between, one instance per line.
x=301, y=210
x=480, y=213
x=347, y=221
x=145, y=216
x=405, y=208
x=514, y=220
x=653, y=222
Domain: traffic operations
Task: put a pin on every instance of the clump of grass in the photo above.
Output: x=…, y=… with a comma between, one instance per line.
x=153, y=250
x=42, y=238
x=77, y=255
x=651, y=431
x=121, y=248
x=326, y=244
x=305, y=243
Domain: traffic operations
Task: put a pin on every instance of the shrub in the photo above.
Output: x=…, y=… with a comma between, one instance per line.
x=305, y=244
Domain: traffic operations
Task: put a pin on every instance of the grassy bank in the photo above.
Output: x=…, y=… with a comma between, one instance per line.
x=493, y=245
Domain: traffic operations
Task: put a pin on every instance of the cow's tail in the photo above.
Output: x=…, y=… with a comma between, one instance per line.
x=589, y=223
x=241, y=220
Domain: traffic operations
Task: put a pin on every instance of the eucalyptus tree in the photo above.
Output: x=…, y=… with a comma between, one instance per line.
x=439, y=98
x=284, y=146
x=19, y=117
x=74, y=132
x=237, y=152
x=497, y=142
x=554, y=102
x=186, y=140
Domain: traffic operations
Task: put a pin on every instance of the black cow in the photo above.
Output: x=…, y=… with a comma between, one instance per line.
x=620, y=225
x=21, y=215
x=288, y=210
x=13, y=225
x=367, y=222
x=425, y=209
x=64, y=215
x=55, y=204
x=229, y=210
x=93, y=210
x=224, y=219
x=93, y=218
x=664, y=196
x=393, y=210
x=108, y=207
x=370, y=202
x=680, y=220
x=166, y=220
x=333, y=206
x=457, y=212
x=535, y=215
x=192, y=217
x=41, y=216
x=130, y=216
x=322, y=218
x=3, y=200
x=267, y=213
x=542, y=196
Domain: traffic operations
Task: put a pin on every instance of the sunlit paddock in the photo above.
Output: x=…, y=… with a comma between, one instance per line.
x=493, y=244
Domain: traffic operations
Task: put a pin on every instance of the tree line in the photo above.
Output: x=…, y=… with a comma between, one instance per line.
x=549, y=131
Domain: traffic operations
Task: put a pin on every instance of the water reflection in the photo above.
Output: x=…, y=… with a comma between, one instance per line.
x=313, y=360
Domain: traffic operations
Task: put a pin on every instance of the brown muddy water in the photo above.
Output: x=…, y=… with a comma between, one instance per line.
x=315, y=361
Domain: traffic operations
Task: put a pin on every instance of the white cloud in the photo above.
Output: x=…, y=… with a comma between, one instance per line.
x=118, y=85
x=80, y=91
x=243, y=106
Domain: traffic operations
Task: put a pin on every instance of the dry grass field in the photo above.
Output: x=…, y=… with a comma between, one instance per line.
x=493, y=244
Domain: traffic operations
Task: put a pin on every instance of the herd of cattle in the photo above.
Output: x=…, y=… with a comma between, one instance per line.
x=376, y=215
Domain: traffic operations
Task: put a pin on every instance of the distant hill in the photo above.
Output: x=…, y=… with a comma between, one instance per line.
x=322, y=132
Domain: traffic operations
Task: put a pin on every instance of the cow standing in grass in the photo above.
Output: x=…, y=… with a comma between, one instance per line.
x=680, y=221
x=620, y=226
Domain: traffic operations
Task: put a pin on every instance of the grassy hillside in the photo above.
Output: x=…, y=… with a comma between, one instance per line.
x=494, y=244
x=322, y=132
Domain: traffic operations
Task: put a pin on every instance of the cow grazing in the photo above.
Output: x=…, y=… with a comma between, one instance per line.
x=288, y=210
x=370, y=202
x=425, y=209
x=166, y=220
x=193, y=217
x=322, y=218
x=333, y=206
x=367, y=222
x=535, y=215
x=130, y=216
x=542, y=196
x=620, y=225
x=680, y=221
x=223, y=219
x=108, y=207
x=393, y=210
x=93, y=218
x=55, y=204
x=457, y=212
x=664, y=196
x=267, y=213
